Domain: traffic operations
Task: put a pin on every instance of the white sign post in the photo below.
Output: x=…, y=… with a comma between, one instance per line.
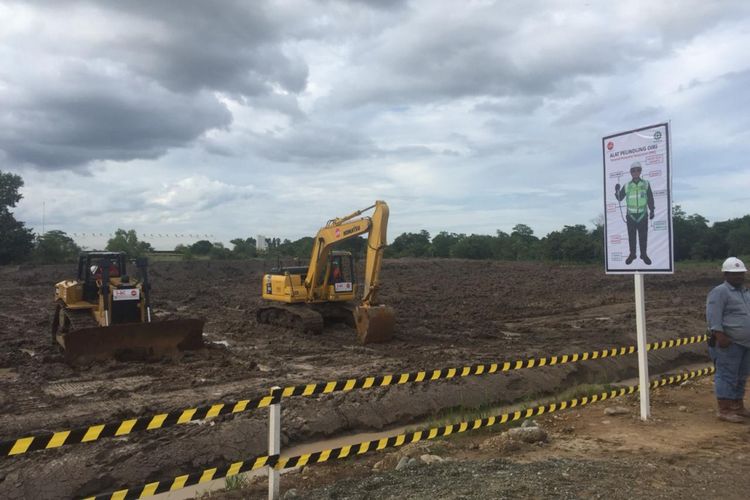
x=638, y=219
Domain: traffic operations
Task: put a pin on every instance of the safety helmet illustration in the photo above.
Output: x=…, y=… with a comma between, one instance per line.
x=636, y=166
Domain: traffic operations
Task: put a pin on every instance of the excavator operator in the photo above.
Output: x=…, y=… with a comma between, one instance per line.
x=336, y=276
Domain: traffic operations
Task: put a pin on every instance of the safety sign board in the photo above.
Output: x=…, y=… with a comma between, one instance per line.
x=127, y=294
x=638, y=201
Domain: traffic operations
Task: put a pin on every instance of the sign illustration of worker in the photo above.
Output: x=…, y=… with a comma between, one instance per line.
x=640, y=209
x=638, y=201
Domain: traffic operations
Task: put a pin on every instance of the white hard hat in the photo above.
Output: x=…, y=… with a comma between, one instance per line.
x=733, y=265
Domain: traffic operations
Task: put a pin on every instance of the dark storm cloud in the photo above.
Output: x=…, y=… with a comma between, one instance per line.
x=101, y=118
x=146, y=79
x=232, y=46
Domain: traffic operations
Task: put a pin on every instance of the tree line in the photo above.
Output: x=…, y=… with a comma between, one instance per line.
x=694, y=239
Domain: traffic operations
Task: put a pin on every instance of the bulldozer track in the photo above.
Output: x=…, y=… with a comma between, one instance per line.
x=293, y=316
x=77, y=320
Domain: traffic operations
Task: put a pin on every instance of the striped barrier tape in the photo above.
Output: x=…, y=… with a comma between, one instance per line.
x=473, y=370
x=50, y=440
x=349, y=451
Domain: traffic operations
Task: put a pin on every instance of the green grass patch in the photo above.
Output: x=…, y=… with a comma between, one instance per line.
x=236, y=482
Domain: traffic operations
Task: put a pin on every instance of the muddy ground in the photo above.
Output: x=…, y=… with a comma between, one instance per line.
x=449, y=313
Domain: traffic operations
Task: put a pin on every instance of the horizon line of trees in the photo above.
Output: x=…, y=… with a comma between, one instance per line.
x=694, y=239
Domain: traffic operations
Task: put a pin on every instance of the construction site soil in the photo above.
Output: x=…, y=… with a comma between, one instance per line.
x=450, y=313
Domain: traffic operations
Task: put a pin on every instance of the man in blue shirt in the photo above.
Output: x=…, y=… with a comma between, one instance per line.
x=728, y=317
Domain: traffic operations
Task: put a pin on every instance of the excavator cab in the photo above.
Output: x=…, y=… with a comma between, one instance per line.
x=340, y=276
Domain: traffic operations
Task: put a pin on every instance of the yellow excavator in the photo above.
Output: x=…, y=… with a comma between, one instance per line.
x=305, y=297
x=105, y=313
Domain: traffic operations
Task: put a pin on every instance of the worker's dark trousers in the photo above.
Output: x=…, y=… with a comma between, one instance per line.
x=642, y=228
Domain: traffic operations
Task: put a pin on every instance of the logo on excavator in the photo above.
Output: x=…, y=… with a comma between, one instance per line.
x=338, y=233
x=351, y=230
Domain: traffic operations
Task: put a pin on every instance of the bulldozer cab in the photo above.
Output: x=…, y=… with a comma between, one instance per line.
x=91, y=268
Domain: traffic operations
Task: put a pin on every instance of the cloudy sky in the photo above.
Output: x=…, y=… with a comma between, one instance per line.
x=234, y=118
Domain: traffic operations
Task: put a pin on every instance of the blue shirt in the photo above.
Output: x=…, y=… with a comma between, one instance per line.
x=728, y=311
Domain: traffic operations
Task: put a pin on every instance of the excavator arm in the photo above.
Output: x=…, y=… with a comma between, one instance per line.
x=374, y=322
x=344, y=228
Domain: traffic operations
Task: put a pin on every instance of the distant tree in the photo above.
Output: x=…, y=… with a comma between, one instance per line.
x=219, y=252
x=577, y=244
x=202, y=247
x=16, y=241
x=524, y=245
x=410, y=245
x=690, y=235
x=738, y=239
x=476, y=246
x=55, y=246
x=573, y=243
x=244, y=249
x=302, y=248
x=127, y=241
x=597, y=242
x=443, y=243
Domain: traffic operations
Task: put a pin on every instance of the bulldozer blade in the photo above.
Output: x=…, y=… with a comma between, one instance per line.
x=374, y=323
x=133, y=341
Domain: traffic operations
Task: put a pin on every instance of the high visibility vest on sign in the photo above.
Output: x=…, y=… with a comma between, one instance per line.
x=636, y=195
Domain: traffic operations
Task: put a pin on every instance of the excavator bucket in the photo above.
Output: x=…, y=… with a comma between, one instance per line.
x=374, y=323
x=133, y=341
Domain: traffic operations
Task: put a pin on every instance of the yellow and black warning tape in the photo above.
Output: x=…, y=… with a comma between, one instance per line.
x=349, y=451
x=665, y=344
x=203, y=476
x=50, y=440
x=413, y=437
x=88, y=434
x=473, y=370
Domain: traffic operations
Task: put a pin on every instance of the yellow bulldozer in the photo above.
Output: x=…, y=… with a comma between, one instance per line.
x=305, y=297
x=105, y=313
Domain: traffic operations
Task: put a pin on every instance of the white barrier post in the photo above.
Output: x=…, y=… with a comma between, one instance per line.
x=640, y=325
x=274, y=444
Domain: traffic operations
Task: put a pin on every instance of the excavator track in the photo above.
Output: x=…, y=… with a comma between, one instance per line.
x=293, y=316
